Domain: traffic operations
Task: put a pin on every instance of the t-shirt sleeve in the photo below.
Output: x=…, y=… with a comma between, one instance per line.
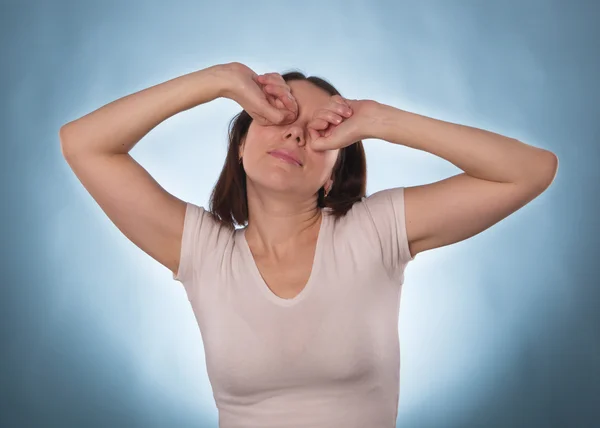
x=199, y=232
x=386, y=209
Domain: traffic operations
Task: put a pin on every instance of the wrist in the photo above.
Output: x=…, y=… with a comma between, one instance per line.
x=384, y=118
x=378, y=115
x=222, y=76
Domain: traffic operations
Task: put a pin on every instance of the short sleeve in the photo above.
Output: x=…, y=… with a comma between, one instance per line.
x=386, y=209
x=198, y=231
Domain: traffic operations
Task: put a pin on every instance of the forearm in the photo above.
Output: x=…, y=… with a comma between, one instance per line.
x=479, y=153
x=118, y=126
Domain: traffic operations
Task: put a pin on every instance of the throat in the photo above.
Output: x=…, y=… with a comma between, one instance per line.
x=285, y=252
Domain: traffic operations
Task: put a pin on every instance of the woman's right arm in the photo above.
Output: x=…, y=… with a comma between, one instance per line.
x=96, y=147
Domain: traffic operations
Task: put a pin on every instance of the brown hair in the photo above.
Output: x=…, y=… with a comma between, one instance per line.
x=228, y=201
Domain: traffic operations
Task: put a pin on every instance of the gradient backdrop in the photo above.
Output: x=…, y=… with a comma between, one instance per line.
x=502, y=330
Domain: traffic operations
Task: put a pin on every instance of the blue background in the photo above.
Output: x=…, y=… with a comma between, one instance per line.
x=501, y=330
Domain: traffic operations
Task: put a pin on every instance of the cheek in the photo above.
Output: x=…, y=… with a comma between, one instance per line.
x=330, y=158
x=321, y=168
x=254, y=146
x=259, y=138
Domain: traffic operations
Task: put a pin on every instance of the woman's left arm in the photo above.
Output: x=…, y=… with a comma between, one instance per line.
x=501, y=175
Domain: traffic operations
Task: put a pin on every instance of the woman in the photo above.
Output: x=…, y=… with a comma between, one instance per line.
x=298, y=310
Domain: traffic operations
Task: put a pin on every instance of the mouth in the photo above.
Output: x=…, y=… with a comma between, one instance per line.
x=285, y=158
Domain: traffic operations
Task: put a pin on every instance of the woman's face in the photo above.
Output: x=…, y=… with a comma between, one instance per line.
x=266, y=171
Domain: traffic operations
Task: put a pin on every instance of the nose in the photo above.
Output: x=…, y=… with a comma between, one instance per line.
x=295, y=133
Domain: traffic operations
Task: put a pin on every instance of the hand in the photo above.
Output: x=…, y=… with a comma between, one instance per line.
x=341, y=123
x=267, y=98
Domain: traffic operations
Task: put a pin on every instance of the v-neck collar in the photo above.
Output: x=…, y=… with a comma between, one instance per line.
x=258, y=279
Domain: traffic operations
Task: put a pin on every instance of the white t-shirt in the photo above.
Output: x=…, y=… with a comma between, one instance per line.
x=329, y=357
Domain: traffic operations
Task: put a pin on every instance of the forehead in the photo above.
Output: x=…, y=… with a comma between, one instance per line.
x=308, y=95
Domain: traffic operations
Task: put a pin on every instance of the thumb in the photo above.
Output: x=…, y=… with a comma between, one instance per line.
x=326, y=142
x=318, y=142
x=272, y=114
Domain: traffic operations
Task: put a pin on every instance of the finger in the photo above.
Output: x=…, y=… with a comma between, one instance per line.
x=314, y=134
x=319, y=124
x=330, y=116
x=271, y=113
x=340, y=108
x=340, y=100
x=274, y=101
x=283, y=94
x=279, y=104
x=272, y=78
x=290, y=102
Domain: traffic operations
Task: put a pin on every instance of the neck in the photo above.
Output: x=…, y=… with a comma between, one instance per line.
x=278, y=235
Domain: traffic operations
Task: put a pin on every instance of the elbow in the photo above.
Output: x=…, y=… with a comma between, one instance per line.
x=62, y=140
x=65, y=140
x=63, y=131
x=548, y=168
x=552, y=166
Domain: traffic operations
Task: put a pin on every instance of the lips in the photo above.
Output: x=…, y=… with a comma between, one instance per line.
x=286, y=155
